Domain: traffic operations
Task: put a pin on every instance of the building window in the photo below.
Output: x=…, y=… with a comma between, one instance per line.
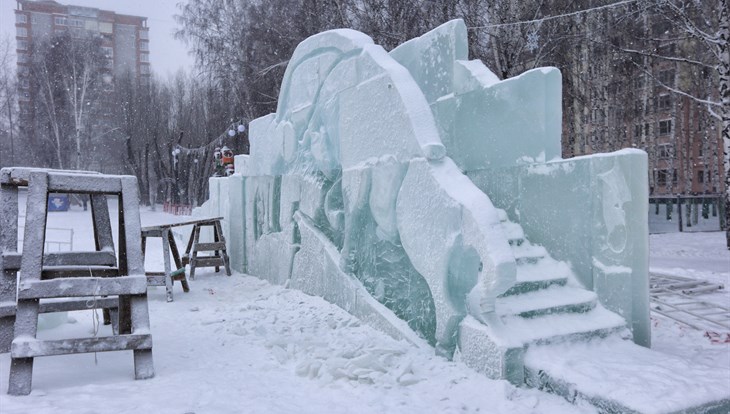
x=21, y=18
x=661, y=178
x=665, y=127
x=144, y=34
x=108, y=52
x=144, y=46
x=106, y=27
x=60, y=21
x=22, y=45
x=674, y=176
x=22, y=58
x=637, y=130
x=144, y=69
x=666, y=77
x=144, y=57
x=701, y=176
x=76, y=23
x=664, y=102
x=22, y=32
x=666, y=151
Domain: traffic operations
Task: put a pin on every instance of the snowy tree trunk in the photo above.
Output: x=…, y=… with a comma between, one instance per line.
x=724, y=72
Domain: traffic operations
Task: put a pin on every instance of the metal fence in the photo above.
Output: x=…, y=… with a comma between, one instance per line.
x=683, y=213
x=57, y=239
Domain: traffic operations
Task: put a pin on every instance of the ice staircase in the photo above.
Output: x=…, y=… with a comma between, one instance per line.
x=576, y=348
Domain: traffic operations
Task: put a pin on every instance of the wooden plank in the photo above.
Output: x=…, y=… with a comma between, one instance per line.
x=146, y=232
x=83, y=183
x=31, y=347
x=8, y=267
x=194, y=240
x=10, y=262
x=73, y=287
x=102, y=223
x=208, y=261
x=132, y=233
x=58, y=272
x=35, y=227
x=19, y=176
x=156, y=280
x=224, y=253
x=174, y=251
x=206, y=247
x=167, y=265
x=8, y=308
x=204, y=222
x=99, y=258
x=76, y=304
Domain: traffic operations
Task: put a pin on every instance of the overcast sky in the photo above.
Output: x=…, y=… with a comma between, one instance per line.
x=167, y=55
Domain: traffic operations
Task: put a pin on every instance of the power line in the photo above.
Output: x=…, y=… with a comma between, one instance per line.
x=559, y=16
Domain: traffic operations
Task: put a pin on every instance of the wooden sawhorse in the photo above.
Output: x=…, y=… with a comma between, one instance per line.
x=74, y=275
x=218, y=247
x=168, y=276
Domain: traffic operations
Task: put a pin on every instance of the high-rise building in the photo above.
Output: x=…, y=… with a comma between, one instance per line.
x=125, y=38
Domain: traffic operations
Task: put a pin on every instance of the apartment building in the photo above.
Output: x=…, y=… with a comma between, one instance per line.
x=635, y=106
x=125, y=39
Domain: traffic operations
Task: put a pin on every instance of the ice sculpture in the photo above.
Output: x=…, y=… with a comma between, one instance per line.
x=409, y=187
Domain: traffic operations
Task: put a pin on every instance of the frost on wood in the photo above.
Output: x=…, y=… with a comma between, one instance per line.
x=419, y=192
x=64, y=275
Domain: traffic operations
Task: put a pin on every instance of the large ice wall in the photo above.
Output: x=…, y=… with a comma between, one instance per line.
x=377, y=182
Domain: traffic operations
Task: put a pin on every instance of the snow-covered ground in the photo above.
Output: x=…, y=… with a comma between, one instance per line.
x=238, y=345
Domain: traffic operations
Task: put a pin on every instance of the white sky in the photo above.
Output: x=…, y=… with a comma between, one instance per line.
x=167, y=54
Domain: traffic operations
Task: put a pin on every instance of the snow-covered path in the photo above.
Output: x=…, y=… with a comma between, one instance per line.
x=240, y=345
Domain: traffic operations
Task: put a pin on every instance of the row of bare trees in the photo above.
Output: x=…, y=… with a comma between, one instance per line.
x=625, y=64
x=66, y=109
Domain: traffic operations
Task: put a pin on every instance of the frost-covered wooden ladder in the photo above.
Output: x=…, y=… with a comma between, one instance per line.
x=79, y=274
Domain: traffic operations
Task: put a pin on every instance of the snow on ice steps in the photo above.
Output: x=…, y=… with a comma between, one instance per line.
x=532, y=277
x=526, y=253
x=561, y=327
x=556, y=299
x=618, y=376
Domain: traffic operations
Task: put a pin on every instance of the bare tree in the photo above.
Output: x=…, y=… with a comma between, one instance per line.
x=8, y=108
x=66, y=76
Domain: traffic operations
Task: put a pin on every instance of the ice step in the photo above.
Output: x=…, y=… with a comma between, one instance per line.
x=513, y=231
x=556, y=299
x=532, y=277
x=527, y=253
x=618, y=376
x=598, y=322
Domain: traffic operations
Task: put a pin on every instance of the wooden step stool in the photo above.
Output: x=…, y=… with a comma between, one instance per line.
x=78, y=275
x=218, y=247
